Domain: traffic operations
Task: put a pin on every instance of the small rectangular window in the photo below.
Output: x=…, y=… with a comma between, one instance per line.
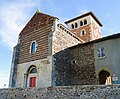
x=101, y=53
x=73, y=62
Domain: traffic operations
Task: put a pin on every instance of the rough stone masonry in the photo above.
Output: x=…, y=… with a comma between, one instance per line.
x=64, y=92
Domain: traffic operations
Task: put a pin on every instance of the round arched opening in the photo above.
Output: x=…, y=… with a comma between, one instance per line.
x=103, y=76
x=32, y=74
x=32, y=69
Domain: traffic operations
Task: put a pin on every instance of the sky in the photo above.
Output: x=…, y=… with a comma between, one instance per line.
x=14, y=14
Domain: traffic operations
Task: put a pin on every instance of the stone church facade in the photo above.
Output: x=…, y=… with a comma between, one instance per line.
x=51, y=54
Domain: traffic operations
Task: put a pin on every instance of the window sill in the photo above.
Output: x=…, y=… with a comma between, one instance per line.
x=101, y=57
x=32, y=53
x=83, y=35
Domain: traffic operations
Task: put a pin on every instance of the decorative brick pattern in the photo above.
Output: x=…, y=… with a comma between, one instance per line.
x=39, y=20
x=38, y=29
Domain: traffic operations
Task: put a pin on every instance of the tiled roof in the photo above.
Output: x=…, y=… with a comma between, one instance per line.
x=86, y=14
x=38, y=19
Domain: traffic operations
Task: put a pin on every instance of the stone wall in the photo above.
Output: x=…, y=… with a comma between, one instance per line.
x=63, y=39
x=64, y=92
x=74, y=66
x=13, y=71
x=43, y=76
x=82, y=64
x=61, y=68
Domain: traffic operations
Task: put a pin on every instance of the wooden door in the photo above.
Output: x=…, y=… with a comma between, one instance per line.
x=32, y=81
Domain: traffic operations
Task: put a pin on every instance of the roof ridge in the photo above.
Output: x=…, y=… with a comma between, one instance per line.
x=113, y=36
x=85, y=14
x=47, y=15
x=37, y=16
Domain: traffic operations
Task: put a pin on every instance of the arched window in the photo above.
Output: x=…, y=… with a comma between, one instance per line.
x=83, y=32
x=72, y=26
x=31, y=76
x=76, y=25
x=33, y=70
x=33, y=47
x=81, y=23
x=85, y=22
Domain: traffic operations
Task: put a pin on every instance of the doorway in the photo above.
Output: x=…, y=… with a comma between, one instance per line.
x=31, y=78
x=103, y=76
x=32, y=81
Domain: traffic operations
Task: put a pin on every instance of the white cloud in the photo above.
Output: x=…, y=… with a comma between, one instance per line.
x=13, y=17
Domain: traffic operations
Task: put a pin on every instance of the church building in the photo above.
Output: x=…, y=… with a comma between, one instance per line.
x=49, y=53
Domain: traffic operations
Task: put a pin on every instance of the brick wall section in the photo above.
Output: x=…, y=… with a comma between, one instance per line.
x=75, y=66
x=37, y=21
x=64, y=92
x=86, y=37
x=41, y=38
x=38, y=29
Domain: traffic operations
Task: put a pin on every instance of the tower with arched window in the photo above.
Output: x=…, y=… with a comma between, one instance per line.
x=50, y=54
x=86, y=26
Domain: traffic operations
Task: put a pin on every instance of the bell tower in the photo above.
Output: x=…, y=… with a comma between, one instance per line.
x=86, y=26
